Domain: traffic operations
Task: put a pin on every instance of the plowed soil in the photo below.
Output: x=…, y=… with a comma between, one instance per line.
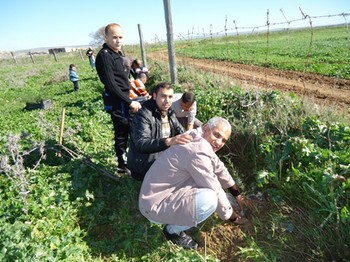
x=324, y=90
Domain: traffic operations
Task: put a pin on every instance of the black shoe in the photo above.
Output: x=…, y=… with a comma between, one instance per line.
x=182, y=240
x=124, y=170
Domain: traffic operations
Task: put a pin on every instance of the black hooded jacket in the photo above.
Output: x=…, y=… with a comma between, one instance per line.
x=145, y=138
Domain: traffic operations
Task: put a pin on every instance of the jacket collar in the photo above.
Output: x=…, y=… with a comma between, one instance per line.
x=105, y=46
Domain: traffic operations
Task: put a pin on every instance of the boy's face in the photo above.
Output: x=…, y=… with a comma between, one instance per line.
x=164, y=98
x=144, y=80
x=185, y=106
x=115, y=37
x=137, y=65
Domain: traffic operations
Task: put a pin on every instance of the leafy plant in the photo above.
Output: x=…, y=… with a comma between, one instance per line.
x=299, y=163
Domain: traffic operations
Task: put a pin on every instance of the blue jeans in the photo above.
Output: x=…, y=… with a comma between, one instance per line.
x=206, y=203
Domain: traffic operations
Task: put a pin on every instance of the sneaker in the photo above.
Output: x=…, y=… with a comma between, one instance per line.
x=122, y=168
x=182, y=240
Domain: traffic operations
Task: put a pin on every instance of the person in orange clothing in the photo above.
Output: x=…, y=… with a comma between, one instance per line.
x=138, y=89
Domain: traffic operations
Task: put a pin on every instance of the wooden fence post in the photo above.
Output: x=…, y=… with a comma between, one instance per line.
x=14, y=58
x=81, y=55
x=54, y=55
x=60, y=141
x=31, y=57
x=144, y=62
x=170, y=39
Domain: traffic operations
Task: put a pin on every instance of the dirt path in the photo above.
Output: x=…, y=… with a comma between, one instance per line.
x=325, y=90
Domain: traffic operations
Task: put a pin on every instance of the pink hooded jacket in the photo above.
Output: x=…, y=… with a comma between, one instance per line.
x=168, y=190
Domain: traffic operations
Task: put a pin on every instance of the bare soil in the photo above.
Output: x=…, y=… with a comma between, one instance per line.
x=224, y=240
x=324, y=90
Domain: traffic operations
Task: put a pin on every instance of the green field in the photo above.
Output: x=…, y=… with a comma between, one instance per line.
x=57, y=206
x=324, y=51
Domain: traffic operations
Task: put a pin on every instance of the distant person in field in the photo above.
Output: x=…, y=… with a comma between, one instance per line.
x=90, y=54
x=114, y=75
x=185, y=108
x=73, y=76
x=186, y=184
x=138, y=89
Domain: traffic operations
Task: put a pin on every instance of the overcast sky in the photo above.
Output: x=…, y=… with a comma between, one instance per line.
x=26, y=24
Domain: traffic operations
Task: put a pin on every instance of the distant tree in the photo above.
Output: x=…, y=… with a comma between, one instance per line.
x=98, y=37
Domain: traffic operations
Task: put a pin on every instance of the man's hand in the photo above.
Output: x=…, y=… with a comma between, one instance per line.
x=238, y=219
x=242, y=201
x=135, y=106
x=179, y=139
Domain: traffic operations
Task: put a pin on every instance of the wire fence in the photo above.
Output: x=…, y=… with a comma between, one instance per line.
x=309, y=55
x=41, y=56
x=277, y=43
x=303, y=44
x=311, y=21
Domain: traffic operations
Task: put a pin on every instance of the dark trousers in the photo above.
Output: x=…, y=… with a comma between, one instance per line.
x=121, y=133
x=76, y=85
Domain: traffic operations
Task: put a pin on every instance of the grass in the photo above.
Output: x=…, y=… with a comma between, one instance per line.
x=75, y=213
x=323, y=51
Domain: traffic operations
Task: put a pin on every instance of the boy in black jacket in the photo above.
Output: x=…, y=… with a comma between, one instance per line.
x=114, y=75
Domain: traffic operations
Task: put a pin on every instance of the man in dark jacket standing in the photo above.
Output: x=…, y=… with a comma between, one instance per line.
x=154, y=128
x=114, y=75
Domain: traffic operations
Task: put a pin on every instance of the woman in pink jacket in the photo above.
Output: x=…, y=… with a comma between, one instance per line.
x=185, y=185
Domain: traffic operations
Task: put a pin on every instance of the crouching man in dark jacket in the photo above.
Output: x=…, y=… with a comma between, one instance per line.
x=154, y=128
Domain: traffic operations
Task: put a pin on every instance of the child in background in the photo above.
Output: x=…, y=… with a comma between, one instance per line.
x=73, y=76
x=137, y=68
x=185, y=108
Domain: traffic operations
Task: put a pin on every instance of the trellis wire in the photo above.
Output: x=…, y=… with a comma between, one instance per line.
x=267, y=29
